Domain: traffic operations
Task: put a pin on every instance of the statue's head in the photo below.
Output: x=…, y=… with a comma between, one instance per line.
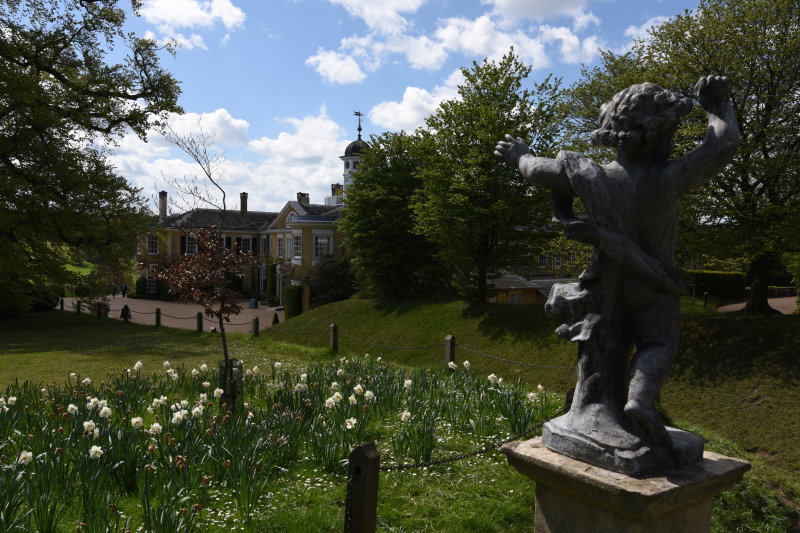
x=640, y=121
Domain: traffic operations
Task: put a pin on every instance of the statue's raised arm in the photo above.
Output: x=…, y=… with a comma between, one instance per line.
x=539, y=171
x=721, y=140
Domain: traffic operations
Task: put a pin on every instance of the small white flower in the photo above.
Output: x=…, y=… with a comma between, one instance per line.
x=195, y=372
x=155, y=429
x=89, y=426
x=539, y=386
x=206, y=384
x=95, y=452
x=499, y=381
x=86, y=382
x=300, y=387
x=73, y=375
x=166, y=364
x=197, y=411
x=137, y=422
x=44, y=391
x=492, y=379
x=250, y=414
x=343, y=360
x=358, y=389
x=96, y=433
x=278, y=365
x=451, y=365
x=404, y=416
x=330, y=402
x=150, y=410
x=218, y=393
x=105, y=412
x=203, y=397
x=369, y=395
x=203, y=367
x=339, y=372
x=337, y=397
x=255, y=369
x=177, y=418
x=466, y=365
x=25, y=457
x=379, y=359
x=12, y=400
x=137, y=366
x=2, y=401
x=407, y=384
x=350, y=423
x=72, y=409
x=366, y=356
x=303, y=378
x=352, y=399
x=246, y=405
x=184, y=404
x=334, y=385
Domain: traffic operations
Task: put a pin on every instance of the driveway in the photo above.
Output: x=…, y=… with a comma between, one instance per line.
x=785, y=305
x=184, y=315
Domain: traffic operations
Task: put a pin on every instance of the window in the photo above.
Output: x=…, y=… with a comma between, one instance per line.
x=573, y=256
x=264, y=245
x=280, y=246
x=244, y=244
x=152, y=244
x=542, y=261
x=191, y=245
x=322, y=247
x=557, y=261
x=297, y=245
x=151, y=281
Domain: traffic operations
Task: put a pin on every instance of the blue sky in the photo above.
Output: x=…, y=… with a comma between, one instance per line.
x=277, y=81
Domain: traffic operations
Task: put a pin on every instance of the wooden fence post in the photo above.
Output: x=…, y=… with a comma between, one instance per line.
x=126, y=313
x=158, y=317
x=254, y=326
x=61, y=304
x=333, y=338
x=199, y=322
x=449, y=350
x=361, y=503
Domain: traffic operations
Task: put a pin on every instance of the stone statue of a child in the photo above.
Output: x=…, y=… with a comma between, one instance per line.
x=628, y=295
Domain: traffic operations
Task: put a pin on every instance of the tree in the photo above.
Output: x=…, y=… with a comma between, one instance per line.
x=330, y=281
x=60, y=199
x=750, y=210
x=377, y=222
x=480, y=213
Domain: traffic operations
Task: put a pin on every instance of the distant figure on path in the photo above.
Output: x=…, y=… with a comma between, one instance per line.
x=124, y=290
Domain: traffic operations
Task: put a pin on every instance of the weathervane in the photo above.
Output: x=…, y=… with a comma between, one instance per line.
x=359, y=114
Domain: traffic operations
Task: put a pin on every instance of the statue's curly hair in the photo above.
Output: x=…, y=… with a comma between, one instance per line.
x=639, y=117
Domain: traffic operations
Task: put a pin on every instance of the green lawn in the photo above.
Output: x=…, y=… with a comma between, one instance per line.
x=735, y=381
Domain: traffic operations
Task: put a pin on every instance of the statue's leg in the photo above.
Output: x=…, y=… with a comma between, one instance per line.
x=657, y=330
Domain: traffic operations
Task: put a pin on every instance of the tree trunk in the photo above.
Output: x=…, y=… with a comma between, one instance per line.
x=757, y=303
x=480, y=293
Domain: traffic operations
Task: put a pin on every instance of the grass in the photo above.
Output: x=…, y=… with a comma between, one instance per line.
x=735, y=382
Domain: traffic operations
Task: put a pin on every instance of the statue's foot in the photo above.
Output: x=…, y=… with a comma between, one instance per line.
x=649, y=421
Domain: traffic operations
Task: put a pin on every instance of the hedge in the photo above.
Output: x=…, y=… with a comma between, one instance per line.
x=717, y=284
x=292, y=301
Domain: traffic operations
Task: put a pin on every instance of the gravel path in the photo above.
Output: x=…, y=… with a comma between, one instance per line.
x=785, y=305
x=184, y=315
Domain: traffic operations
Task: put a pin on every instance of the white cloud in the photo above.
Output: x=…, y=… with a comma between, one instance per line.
x=640, y=32
x=482, y=37
x=335, y=67
x=573, y=49
x=227, y=130
x=192, y=13
x=382, y=16
x=417, y=104
x=536, y=9
x=581, y=21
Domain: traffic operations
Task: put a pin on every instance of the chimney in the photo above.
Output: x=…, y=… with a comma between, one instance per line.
x=336, y=189
x=162, y=205
x=243, y=202
x=302, y=198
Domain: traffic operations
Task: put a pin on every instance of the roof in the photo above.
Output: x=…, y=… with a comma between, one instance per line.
x=356, y=147
x=513, y=282
x=306, y=213
x=234, y=219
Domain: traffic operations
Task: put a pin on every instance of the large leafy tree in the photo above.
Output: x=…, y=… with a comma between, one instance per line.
x=480, y=213
x=377, y=223
x=750, y=210
x=62, y=99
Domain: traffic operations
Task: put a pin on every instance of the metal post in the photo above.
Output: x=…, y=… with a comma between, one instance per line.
x=449, y=350
x=158, y=317
x=333, y=338
x=361, y=502
x=199, y=322
x=705, y=299
x=254, y=326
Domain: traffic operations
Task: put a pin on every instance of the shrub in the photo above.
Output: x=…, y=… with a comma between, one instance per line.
x=332, y=280
x=141, y=287
x=718, y=284
x=292, y=301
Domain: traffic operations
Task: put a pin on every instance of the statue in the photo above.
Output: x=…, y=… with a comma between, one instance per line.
x=628, y=296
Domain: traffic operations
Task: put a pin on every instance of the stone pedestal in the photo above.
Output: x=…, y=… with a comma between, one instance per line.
x=572, y=496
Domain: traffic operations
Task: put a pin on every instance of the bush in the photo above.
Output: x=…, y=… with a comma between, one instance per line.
x=332, y=280
x=718, y=284
x=141, y=287
x=292, y=301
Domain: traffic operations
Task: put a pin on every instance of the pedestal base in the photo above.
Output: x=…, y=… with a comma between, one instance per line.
x=572, y=496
